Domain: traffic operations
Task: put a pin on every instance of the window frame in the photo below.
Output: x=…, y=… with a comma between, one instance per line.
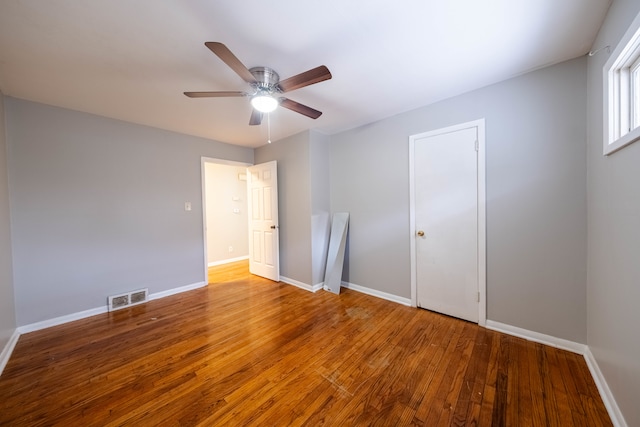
x=621, y=78
x=634, y=81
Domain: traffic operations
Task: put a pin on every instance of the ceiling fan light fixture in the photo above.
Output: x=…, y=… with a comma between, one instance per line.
x=264, y=103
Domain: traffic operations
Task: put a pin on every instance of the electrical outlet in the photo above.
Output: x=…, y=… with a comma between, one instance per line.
x=187, y=206
x=230, y=248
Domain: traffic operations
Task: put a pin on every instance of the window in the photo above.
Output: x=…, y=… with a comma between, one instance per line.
x=622, y=92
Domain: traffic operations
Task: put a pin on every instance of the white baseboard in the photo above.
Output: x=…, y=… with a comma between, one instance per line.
x=227, y=261
x=99, y=310
x=62, y=319
x=347, y=285
x=301, y=285
x=376, y=293
x=549, y=340
x=179, y=290
x=605, y=392
x=8, y=349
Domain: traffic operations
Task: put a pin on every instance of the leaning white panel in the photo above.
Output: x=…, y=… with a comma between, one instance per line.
x=335, y=255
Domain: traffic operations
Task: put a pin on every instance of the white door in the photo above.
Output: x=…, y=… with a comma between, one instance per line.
x=446, y=222
x=262, y=189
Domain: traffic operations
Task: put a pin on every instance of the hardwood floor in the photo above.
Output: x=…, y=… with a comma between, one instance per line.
x=248, y=351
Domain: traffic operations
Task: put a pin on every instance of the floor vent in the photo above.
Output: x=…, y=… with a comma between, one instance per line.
x=116, y=302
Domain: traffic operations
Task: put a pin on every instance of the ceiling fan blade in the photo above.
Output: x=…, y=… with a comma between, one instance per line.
x=316, y=75
x=299, y=108
x=256, y=118
x=230, y=59
x=214, y=94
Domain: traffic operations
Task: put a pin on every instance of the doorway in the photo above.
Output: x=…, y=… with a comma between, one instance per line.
x=447, y=221
x=224, y=201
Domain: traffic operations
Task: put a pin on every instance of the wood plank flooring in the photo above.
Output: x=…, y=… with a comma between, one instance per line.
x=246, y=351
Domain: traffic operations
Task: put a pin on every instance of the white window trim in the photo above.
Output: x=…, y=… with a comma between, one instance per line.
x=616, y=84
x=634, y=70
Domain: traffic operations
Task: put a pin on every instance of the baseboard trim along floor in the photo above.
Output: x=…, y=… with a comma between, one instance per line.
x=99, y=310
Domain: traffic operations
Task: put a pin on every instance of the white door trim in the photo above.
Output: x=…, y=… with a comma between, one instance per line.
x=203, y=192
x=482, y=221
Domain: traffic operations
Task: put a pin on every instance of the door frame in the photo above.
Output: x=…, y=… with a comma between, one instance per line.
x=203, y=192
x=482, y=220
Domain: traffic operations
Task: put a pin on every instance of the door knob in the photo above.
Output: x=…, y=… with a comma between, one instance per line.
x=273, y=227
x=420, y=233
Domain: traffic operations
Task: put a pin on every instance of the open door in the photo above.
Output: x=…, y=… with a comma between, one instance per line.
x=262, y=190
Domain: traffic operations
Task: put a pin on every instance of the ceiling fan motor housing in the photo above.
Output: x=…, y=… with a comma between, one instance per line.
x=266, y=79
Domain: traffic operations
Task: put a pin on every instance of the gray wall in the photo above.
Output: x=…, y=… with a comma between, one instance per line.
x=536, y=197
x=97, y=208
x=294, y=203
x=303, y=191
x=613, y=289
x=7, y=302
x=224, y=192
x=320, y=203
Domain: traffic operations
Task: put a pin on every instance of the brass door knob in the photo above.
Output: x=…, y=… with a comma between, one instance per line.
x=420, y=233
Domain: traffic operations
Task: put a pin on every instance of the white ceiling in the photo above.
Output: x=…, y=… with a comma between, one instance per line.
x=132, y=59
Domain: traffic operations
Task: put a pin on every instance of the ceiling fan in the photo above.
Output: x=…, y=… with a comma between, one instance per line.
x=265, y=86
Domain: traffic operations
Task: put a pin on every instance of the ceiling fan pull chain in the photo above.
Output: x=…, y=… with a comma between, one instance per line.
x=269, y=128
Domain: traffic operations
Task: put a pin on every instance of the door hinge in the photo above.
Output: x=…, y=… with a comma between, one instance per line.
x=477, y=145
x=478, y=296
